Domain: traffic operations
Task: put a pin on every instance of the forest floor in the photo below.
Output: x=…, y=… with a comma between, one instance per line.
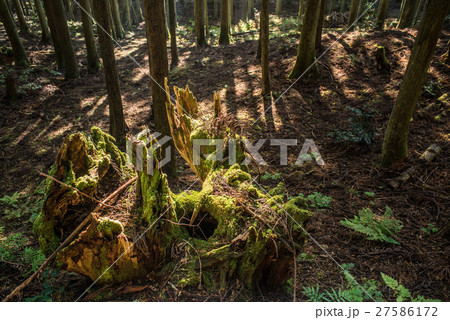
x=34, y=126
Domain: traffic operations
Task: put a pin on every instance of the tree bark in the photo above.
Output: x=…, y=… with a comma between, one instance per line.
x=63, y=38
x=20, y=56
x=277, y=7
x=127, y=7
x=20, y=17
x=382, y=12
x=343, y=5
x=224, y=37
x=139, y=10
x=45, y=31
x=361, y=7
x=120, y=33
x=306, y=52
x=92, y=56
x=323, y=4
x=300, y=14
x=265, y=67
x=407, y=17
x=353, y=14
x=200, y=22
x=173, y=32
x=117, y=125
x=416, y=16
x=54, y=34
x=70, y=10
x=395, y=145
x=155, y=26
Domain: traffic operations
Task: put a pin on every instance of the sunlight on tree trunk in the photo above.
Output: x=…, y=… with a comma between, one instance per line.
x=20, y=56
x=395, y=145
x=199, y=22
x=120, y=33
x=265, y=63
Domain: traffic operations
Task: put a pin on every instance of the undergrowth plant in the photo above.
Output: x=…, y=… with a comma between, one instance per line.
x=375, y=227
x=400, y=292
x=362, y=127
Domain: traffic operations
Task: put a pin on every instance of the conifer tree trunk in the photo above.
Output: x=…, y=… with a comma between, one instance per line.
x=20, y=17
x=230, y=12
x=70, y=10
x=323, y=4
x=92, y=56
x=382, y=12
x=173, y=32
x=245, y=10
x=306, y=55
x=110, y=18
x=54, y=33
x=127, y=7
x=265, y=67
x=277, y=7
x=156, y=41
x=416, y=16
x=200, y=22
x=224, y=37
x=331, y=9
x=300, y=14
x=395, y=145
x=343, y=5
x=120, y=33
x=205, y=13
x=63, y=38
x=20, y=56
x=353, y=13
x=117, y=125
x=139, y=10
x=45, y=35
x=407, y=17
x=361, y=7
x=251, y=8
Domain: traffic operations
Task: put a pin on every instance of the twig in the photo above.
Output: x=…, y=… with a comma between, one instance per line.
x=68, y=239
x=73, y=188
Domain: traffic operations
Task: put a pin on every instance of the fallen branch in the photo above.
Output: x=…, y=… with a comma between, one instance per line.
x=70, y=237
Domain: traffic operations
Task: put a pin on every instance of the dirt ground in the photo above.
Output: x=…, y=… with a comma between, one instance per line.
x=33, y=127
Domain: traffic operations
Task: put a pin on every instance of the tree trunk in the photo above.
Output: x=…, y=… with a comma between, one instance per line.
x=70, y=10
x=300, y=14
x=92, y=56
x=117, y=125
x=139, y=10
x=331, y=7
x=343, y=6
x=120, y=33
x=277, y=7
x=306, y=52
x=224, y=37
x=265, y=67
x=20, y=17
x=323, y=4
x=407, y=17
x=127, y=13
x=245, y=10
x=395, y=145
x=20, y=56
x=155, y=26
x=45, y=31
x=382, y=12
x=230, y=13
x=361, y=7
x=199, y=22
x=54, y=33
x=353, y=14
x=416, y=15
x=173, y=32
x=251, y=8
x=110, y=18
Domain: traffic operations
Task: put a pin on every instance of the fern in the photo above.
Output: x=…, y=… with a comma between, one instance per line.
x=380, y=228
x=402, y=293
x=33, y=257
x=312, y=294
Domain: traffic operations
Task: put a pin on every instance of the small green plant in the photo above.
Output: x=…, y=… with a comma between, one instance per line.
x=11, y=201
x=401, y=293
x=318, y=200
x=362, y=127
x=33, y=257
x=381, y=228
x=430, y=229
x=369, y=194
x=49, y=287
x=267, y=175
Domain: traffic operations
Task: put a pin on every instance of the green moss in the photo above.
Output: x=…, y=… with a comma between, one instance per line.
x=235, y=176
x=45, y=232
x=109, y=228
x=85, y=182
x=278, y=190
x=106, y=143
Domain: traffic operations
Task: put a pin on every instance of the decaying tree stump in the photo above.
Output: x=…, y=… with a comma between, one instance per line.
x=383, y=64
x=228, y=230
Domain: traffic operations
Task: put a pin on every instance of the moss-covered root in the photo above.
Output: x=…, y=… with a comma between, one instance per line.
x=96, y=253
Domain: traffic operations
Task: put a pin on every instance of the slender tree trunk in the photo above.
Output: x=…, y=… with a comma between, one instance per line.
x=120, y=33
x=416, y=16
x=224, y=37
x=343, y=5
x=300, y=14
x=264, y=25
x=155, y=25
x=111, y=18
x=407, y=17
x=395, y=145
x=20, y=17
x=323, y=4
x=306, y=52
x=20, y=56
x=63, y=38
x=139, y=10
x=353, y=14
x=173, y=32
x=277, y=7
x=361, y=7
x=117, y=125
x=230, y=13
x=54, y=34
x=127, y=7
x=382, y=12
x=45, y=36
x=200, y=22
x=70, y=10
x=331, y=7
x=205, y=12
x=245, y=10
x=92, y=56
x=251, y=8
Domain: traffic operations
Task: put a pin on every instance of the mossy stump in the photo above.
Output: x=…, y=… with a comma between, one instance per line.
x=383, y=64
